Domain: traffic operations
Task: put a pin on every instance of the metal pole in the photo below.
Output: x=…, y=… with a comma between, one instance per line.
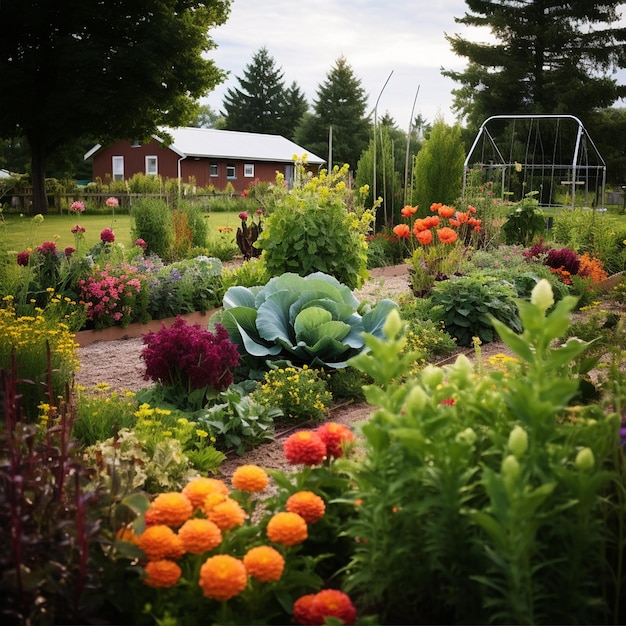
x=375, y=120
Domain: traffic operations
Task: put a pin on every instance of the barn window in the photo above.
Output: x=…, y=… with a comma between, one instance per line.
x=118, y=167
x=248, y=170
x=214, y=169
x=230, y=171
x=152, y=165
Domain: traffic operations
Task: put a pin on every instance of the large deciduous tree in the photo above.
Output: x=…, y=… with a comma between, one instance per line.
x=340, y=104
x=262, y=103
x=106, y=68
x=547, y=57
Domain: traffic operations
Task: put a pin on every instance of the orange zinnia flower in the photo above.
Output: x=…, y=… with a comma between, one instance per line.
x=307, y=505
x=447, y=235
x=302, y=610
x=402, y=231
x=332, y=603
x=264, y=563
x=212, y=500
x=227, y=514
x=160, y=542
x=222, y=577
x=335, y=436
x=250, y=478
x=197, y=489
x=445, y=211
x=304, y=448
x=172, y=509
x=162, y=573
x=425, y=237
x=408, y=210
x=288, y=529
x=199, y=535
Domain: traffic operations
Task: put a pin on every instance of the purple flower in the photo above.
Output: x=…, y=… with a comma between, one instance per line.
x=107, y=236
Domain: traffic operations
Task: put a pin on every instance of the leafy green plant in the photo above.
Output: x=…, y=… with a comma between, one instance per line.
x=153, y=222
x=251, y=273
x=221, y=244
x=313, y=320
x=464, y=304
x=525, y=222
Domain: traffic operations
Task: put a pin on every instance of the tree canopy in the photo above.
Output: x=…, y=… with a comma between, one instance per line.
x=549, y=57
x=262, y=103
x=109, y=69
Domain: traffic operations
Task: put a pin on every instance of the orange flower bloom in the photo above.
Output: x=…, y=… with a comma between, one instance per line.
x=419, y=225
x=250, y=478
x=304, y=448
x=264, y=563
x=127, y=534
x=332, y=603
x=402, y=231
x=447, y=235
x=172, y=509
x=408, y=210
x=227, y=514
x=162, y=573
x=288, y=529
x=432, y=221
x=199, y=535
x=445, y=211
x=425, y=237
x=212, y=500
x=435, y=206
x=160, y=542
x=197, y=489
x=307, y=505
x=302, y=610
x=470, y=209
x=222, y=577
x=454, y=223
x=335, y=436
x=462, y=217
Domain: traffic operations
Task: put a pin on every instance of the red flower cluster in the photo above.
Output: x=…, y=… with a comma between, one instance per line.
x=308, y=447
x=315, y=608
x=190, y=356
x=47, y=247
x=107, y=236
x=23, y=258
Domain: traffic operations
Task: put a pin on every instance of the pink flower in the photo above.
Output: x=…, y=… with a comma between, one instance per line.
x=22, y=258
x=78, y=229
x=259, y=211
x=77, y=207
x=112, y=202
x=107, y=235
x=69, y=251
x=47, y=247
x=141, y=243
x=243, y=215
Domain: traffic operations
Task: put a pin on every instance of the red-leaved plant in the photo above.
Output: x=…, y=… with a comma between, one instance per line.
x=189, y=358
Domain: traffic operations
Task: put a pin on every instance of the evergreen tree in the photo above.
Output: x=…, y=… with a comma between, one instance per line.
x=340, y=104
x=262, y=103
x=549, y=58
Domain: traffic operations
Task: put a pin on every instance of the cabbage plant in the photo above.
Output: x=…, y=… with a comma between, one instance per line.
x=314, y=320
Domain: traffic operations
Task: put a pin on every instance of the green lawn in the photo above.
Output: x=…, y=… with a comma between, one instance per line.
x=20, y=232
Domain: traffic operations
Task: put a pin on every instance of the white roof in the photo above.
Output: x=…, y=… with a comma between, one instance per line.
x=231, y=144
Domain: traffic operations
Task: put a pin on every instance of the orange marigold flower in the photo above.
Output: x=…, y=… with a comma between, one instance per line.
x=222, y=577
x=402, y=231
x=197, y=489
x=160, y=542
x=335, y=436
x=447, y=235
x=212, y=500
x=227, y=514
x=172, y=509
x=332, y=603
x=286, y=528
x=127, y=534
x=592, y=268
x=435, y=206
x=425, y=237
x=199, y=535
x=304, y=448
x=302, y=610
x=264, y=563
x=307, y=505
x=250, y=478
x=408, y=210
x=162, y=573
x=445, y=211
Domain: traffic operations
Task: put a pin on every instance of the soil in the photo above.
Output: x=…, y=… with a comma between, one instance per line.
x=119, y=364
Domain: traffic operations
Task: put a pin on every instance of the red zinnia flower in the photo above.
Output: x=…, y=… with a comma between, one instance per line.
x=332, y=603
x=335, y=436
x=305, y=448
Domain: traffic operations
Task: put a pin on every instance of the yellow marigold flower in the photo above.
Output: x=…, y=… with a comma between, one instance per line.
x=227, y=514
x=197, y=489
x=160, y=542
x=171, y=508
x=222, y=577
x=250, y=478
x=162, y=573
x=199, y=535
x=306, y=504
x=286, y=528
x=264, y=563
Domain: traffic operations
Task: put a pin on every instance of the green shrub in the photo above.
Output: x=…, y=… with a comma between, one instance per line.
x=525, y=222
x=196, y=223
x=251, y=273
x=222, y=244
x=153, y=222
x=465, y=303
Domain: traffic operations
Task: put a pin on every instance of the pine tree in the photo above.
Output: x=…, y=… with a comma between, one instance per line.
x=340, y=104
x=549, y=58
x=262, y=104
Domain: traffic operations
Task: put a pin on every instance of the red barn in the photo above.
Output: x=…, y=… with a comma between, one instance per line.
x=212, y=157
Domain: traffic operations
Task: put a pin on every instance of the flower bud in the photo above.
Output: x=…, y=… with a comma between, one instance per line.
x=393, y=324
x=416, y=400
x=542, y=296
x=585, y=460
x=518, y=441
x=468, y=436
x=510, y=470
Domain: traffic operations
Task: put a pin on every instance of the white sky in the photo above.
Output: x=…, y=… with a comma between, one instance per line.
x=377, y=37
